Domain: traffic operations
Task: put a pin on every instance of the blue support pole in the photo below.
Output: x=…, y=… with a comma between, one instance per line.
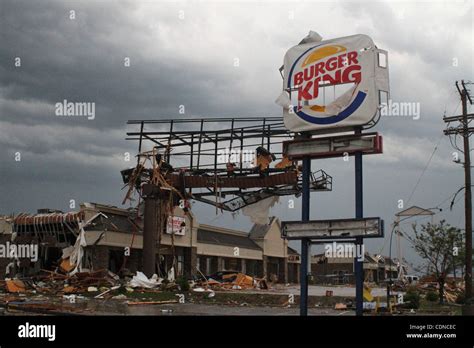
x=305, y=242
x=359, y=213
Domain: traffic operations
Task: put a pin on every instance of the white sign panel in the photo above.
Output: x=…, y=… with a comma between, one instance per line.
x=333, y=83
x=333, y=229
x=176, y=225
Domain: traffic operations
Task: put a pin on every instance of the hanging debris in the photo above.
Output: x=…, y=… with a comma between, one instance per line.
x=229, y=161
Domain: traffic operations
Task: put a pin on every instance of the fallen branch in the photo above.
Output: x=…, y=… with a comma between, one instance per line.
x=151, y=302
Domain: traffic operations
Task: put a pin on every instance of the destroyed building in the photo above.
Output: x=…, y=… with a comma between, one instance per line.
x=112, y=239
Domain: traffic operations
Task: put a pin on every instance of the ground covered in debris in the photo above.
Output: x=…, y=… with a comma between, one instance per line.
x=104, y=293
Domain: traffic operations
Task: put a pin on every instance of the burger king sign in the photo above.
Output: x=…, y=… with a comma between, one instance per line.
x=333, y=83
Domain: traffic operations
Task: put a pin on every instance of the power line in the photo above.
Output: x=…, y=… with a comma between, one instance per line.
x=423, y=172
x=434, y=150
x=453, y=203
x=455, y=145
x=424, y=169
x=396, y=224
x=445, y=200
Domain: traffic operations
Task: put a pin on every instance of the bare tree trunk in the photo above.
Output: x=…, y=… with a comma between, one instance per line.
x=441, y=290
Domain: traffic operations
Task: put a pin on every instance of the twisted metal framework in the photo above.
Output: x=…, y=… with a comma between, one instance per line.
x=226, y=162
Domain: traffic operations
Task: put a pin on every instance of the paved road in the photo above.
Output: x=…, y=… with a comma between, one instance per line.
x=320, y=290
x=107, y=307
x=201, y=309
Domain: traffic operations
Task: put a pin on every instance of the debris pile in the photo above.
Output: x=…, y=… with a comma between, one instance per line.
x=55, y=283
x=77, y=292
x=452, y=288
x=79, y=282
x=452, y=293
x=232, y=281
x=15, y=286
x=48, y=282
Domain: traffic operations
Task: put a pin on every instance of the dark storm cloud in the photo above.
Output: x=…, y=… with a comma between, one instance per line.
x=83, y=60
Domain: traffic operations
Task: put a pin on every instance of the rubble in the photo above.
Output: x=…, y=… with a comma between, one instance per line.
x=452, y=288
x=119, y=297
x=69, y=289
x=14, y=285
x=233, y=281
x=61, y=292
x=49, y=282
x=66, y=266
x=151, y=302
x=101, y=295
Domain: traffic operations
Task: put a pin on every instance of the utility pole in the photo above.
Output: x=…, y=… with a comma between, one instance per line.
x=467, y=196
x=465, y=131
x=359, y=214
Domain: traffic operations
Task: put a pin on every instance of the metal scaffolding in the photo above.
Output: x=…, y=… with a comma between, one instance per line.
x=226, y=162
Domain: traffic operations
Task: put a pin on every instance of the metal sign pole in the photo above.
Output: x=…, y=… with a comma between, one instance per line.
x=305, y=242
x=359, y=213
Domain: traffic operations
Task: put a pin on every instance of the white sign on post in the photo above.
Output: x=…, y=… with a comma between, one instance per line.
x=333, y=83
x=176, y=225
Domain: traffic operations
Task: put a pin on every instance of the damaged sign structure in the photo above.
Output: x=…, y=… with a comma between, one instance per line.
x=358, y=70
x=332, y=83
x=163, y=183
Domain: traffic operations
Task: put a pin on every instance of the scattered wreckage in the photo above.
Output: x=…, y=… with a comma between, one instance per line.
x=66, y=285
x=231, y=280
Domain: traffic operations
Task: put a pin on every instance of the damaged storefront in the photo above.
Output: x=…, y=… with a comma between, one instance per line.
x=49, y=232
x=102, y=237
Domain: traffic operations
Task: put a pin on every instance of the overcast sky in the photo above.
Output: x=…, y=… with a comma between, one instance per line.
x=183, y=53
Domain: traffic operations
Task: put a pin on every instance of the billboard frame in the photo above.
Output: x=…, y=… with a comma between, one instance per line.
x=330, y=222
x=376, y=148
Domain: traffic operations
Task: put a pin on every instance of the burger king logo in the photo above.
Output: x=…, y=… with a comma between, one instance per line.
x=352, y=64
x=325, y=65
